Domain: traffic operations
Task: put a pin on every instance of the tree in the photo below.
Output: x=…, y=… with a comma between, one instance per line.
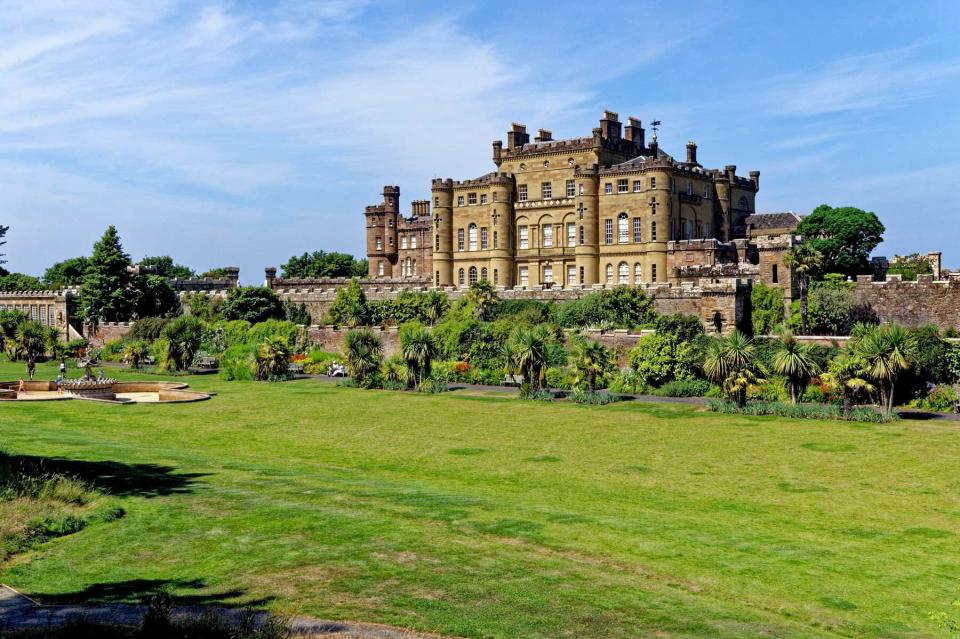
x=273, y=357
x=252, y=303
x=591, y=361
x=297, y=313
x=203, y=306
x=10, y=321
x=349, y=306
x=482, y=297
x=32, y=343
x=69, y=272
x=910, y=266
x=664, y=357
x=106, y=294
x=418, y=349
x=621, y=307
x=323, y=264
x=435, y=305
x=766, y=308
x=135, y=351
x=364, y=351
x=183, y=335
x=19, y=282
x=888, y=351
x=845, y=236
x=163, y=266
x=796, y=362
x=155, y=297
x=803, y=260
x=217, y=273
x=731, y=361
x=847, y=373
x=832, y=308
x=528, y=356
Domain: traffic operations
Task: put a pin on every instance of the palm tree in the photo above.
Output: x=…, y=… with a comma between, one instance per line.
x=364, y=352
x=803, y=260
x=845, y=372
x=436, y=305
x=483, y=297
x=273, y=357
x=590, y=361
x=31, y=339
x=795, y=362
x=418, y=349
x=731, y=362
x=395, y=369
x=527, y=350
x=888, y=351
x=135, y=351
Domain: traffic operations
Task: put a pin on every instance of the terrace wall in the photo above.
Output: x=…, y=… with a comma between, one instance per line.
x=918, y=303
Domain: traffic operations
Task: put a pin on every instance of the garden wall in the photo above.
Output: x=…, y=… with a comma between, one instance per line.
x=912, y=303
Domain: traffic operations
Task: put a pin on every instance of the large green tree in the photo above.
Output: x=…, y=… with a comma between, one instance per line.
x=845, y=236
x=164, y=266
x=69, y=272
x=155, y=297
x=254, y=304
x=19, y=282
x=107, y=294
x=349, y=306
x=323, y=264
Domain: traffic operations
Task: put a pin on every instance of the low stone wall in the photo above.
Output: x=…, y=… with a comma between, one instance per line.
x=106, y=331
x=912, y=303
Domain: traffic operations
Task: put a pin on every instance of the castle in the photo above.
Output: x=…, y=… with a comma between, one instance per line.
x=606, y=209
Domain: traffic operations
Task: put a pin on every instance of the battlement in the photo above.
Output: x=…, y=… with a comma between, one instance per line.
x=484, y=180
x=38, y=294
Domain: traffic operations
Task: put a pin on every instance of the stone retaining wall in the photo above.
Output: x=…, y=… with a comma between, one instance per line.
x=912, y=303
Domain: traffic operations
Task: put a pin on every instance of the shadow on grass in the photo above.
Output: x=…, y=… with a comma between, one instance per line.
x=115, y=478
x=136, y=591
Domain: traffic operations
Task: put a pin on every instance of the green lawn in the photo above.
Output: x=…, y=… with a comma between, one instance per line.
x=490, y=517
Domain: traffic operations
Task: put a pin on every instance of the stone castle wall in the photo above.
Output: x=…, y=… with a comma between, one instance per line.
x=925, y=301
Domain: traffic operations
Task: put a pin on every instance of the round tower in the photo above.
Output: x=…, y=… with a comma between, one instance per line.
x=377, y=263
x=391, y=213
x=442, y=191
x=501, y=218
x=588, y=226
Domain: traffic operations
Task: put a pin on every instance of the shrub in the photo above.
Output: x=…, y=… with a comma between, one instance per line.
x=684, y=388
x=254, y=304
x=431, y=386
x=596, y=399
x=349, y=307
x=182, y=337
x=801, y=411
x=942, y=399
x=559, y=378
x=273, y=359
x=148, y=328
x=766, y=308
x=771, y=390
x=621, y=307
x=112, y=350
x=630, y=382
x=238, y=363
x=664, y=357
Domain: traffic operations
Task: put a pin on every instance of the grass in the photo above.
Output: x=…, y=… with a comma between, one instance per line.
x=484, y=516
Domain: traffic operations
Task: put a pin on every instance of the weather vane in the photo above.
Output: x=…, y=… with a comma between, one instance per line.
x=655, y=125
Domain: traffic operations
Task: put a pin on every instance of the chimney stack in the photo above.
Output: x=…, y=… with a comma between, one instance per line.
x=755, y=178
x=497, y=152
x=544, y=135
x=610, y=125
x=271, y=276
x=634, y=132
x=691, y=152
x=517, y=136
x=731, y=172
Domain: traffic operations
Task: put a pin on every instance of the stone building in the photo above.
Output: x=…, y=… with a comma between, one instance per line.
x=608, y=209
x=52, y=308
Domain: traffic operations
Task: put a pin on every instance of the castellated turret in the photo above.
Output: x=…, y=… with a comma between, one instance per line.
x=382, y=233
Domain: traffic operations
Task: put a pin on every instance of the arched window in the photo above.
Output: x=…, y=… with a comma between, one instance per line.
x=637, y=273
x=483, y=274
x=472, y=237
x=609, y=273
x=623, y=229
x=460, y=277
x=623, y=273
x=473, y=275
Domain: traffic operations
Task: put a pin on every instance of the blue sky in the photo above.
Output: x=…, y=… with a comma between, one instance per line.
x=245, y=132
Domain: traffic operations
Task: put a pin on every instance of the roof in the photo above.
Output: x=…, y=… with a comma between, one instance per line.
x=787, y=219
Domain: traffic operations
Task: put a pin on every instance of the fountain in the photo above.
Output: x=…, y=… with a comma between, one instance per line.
x=89, y=388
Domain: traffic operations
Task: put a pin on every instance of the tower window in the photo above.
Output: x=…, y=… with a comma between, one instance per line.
x=546, y=190
x=403, y=242
x=622, y=185
x=522, y=192
x=571, y=188
x=494, y=239
x=653, y=183
x=623, y=235
x=582, y=235
x=459, y=239
x=496, y=277
x=608, y=188
x=653, y=231
x=608, y=231
x=483, y=198
x=653, y=272
x=472, y=237
x=379, y=243
x=483, y=239
x=380, y=269
x=413, y=241
x=459, y=200
x=637, y=186
x=776, y=276
x=636, y=230
x=437, y=242
x=571, y=234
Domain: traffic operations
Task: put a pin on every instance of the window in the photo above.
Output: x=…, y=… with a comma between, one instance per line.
x=572, y=275
x=671, y=185
x=653, y=231
x=548, y=274
x=571, y=234
x=581, y=276
x=496, y=277
x=623, y=273
x=689, y=188
x=609, y=273
x=436, y=202
x=379, y=243
x=547, y=235
x=546, y=190
x=582, y=235
x=622, y=185
x=522, y=192
x=653, y=183
x=706, y=192
x=483, y=238
x=459, y=200
x=390, y=240
x=524, y=276
x=390, y=222
x=437, y=278
x=436, y=242
x=636, y=230
x=413, y=241
x=653, y=272
x=581, y=188
x=403, y=242
x=459, y=239
x=637, y=273
x=775, y=275
x=380, y=269
x=524, y=233
x=623, y=230
x=483, y=274
x=472, y=237
x=460, y=277
x=571, y=188
x=471, y=198
x=483, y=198
x=706, y=230
x=608, y=188
x=496, y=196
x=473, y=275
x=637, y=186
x=608, y=231
x=494, y=239
x=688, y=226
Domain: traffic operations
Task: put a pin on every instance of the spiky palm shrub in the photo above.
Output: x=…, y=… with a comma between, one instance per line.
x=418, y=349
x=183, y=336
x=846, y=373
x=273, y=358
x=731, y=362
x=590, y=361
x=436, y=305
x=482, y=297
x=795, y=361
x=135, y=351
x=395, y=370
x=527, y=349
x=803, y=260
x=364, y=351
x=31, y=338
x=888, y=352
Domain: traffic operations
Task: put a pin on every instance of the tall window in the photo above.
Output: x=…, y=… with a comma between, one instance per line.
x=608, y=231
x=413, y=241
x=460, y=277
x=379, y=243
x=623, y=229
x=547, y=235
x=571, y=234
x=637, y=226
x=471, y=198
x=546, y=190
x=483, y=198
x=459, y=239
x=436, y=278
x=609, y=273
x=572, y=275
x=582, y=274
x=524, y=276
x=776, y=276
x=689, y=188
x=483, y=238
x=494, y=239
x=582, y=235
x=548, y=274
x=653, y=231
x=706, y=230
x=653, y=183
x=380, y=269
x=473, y=275
x=637, y=186
x=403, y=242
x=623, y=273
x=706, y=192
x=653, y=272
x=689, y=229
x=637, y=273
x=522, y=192
x=472, y=237
x=496, y=196
x=524, y=234
x=571, y=188
x=622, y=185
x=459, y=200
x=496, y=276
x=483, y=274
x=436, y=242
x=608, y=188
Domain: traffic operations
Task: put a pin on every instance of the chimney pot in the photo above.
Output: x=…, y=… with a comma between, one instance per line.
x=691, y=152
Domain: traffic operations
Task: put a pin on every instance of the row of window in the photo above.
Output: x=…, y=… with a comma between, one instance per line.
x=576, y=276
x=412, y=243
x=623, y=273
x=472, y=276
x=44, y=314
x=623, y=185
x=472, y=239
